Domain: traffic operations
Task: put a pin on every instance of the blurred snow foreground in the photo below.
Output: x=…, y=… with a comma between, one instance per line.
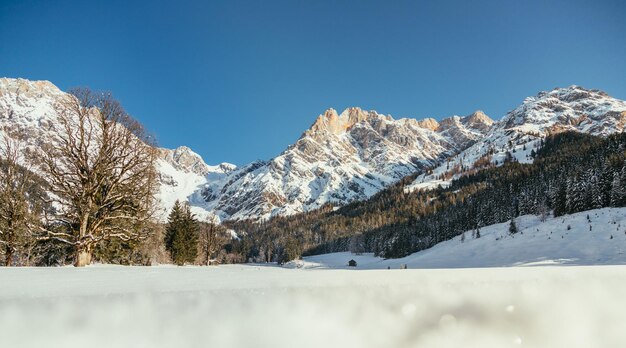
x=266, y=306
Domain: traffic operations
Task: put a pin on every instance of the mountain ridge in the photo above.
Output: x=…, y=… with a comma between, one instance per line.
x=343, y=157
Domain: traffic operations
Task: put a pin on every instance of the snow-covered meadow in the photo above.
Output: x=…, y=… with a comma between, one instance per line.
x=250, y=306
x=322, y=304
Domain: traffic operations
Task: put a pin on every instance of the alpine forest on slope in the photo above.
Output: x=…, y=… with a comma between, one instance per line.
x=571, y=172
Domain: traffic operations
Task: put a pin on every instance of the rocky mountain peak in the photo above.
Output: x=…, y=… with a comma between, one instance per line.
x=184, y=159
x=354, y=115
x=569, y=108
x=27, y=87
x=428, y=123
x=331, y=122
x=478, y=120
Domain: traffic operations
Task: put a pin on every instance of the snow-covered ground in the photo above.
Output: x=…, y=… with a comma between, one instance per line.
x=323, y=306
x=599, y=240
x=250, y=306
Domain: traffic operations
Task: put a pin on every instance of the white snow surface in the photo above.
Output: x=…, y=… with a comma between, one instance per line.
x=537, y=243
x=254, y=306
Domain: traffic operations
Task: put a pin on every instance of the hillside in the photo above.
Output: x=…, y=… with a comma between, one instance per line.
x=571, y=240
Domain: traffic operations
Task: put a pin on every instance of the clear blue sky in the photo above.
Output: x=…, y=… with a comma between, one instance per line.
x=240, y=80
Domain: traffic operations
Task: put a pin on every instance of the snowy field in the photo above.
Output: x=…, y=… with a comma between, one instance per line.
x=249, y=306
x=560, y=304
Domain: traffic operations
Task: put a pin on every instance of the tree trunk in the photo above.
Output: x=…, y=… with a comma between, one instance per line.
x=83, y=256
x=8, y=253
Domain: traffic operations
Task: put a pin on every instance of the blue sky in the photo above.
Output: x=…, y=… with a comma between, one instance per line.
x=240, y=80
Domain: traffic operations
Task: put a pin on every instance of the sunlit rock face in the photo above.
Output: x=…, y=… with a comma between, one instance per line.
x=342, y=158
x=520, y=131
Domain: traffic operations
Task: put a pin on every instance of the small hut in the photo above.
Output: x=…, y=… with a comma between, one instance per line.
x=352, y=263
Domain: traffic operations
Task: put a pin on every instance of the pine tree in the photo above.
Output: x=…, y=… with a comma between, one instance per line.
x=617, y=189
x=594, y=191
x=576, y=195
x=560, y=200
x=512, y=227
x=605, y=184
x=181, y=237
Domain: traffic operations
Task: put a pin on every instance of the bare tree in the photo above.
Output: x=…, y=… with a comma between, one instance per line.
x=211, y=239
x=100, y=167
x=18, y=201
x=153, y=246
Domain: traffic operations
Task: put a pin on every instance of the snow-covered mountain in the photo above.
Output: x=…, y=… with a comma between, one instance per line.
x=342, y=157
x=520, y=131
x=339, y=159
x=182, y=173
x=28, y=107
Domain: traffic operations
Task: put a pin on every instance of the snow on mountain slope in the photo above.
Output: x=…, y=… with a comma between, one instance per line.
x=565, y=240
x=183, y=174
x=339, y=159
x=573, y=108
x=28, y=107
x=342, y=157
x=181, y=181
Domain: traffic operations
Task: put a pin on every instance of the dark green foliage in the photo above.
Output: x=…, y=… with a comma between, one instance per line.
x=618, y=188
x=50, y=252
x=181, y=236
x=291, y=251
x=512, y=227
x=571, y=172
x=117, y=251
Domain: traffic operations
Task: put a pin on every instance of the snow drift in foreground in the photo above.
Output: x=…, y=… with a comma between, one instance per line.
x=565, y=240
x=248, y=306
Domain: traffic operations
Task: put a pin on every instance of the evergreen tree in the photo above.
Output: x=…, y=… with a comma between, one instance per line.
x=512, y=227
x=560, y=200
x=605, y=182
x=575, y=195
x=181, y=237
x=617, y=189
x=594, y=191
